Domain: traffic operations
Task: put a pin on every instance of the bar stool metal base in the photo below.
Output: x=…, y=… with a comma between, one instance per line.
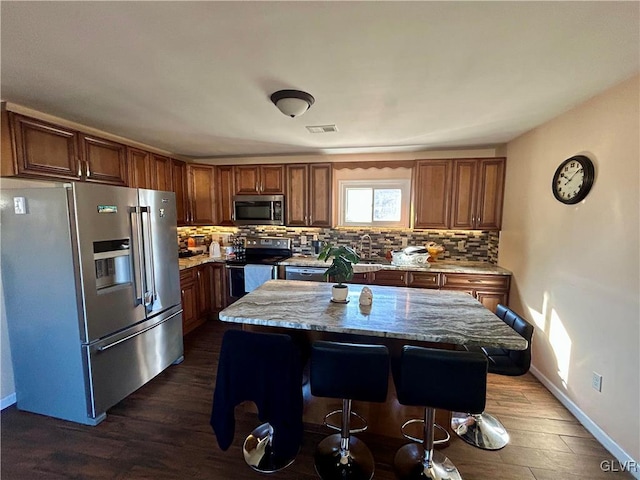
x=258, y=453
x=483, y=431
x=330, y=464
x=409, y=465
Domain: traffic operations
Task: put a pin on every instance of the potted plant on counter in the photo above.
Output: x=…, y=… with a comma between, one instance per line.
x=341, y=269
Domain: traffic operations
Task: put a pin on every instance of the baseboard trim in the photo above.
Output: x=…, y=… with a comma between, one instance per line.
x=600, y=435
x=7, y=401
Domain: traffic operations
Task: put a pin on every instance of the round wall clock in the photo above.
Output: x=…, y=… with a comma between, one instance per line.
x=573, y=179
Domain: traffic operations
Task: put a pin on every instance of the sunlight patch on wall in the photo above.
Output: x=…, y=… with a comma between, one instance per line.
x=561, y=344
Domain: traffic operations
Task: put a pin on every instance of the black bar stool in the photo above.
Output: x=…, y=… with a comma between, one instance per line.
x=432, y=378
x=484, y=430
x=350, y=372
x=264, y=368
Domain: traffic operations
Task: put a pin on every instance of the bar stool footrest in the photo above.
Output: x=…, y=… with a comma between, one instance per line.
x=333, y=426
x=421, y=440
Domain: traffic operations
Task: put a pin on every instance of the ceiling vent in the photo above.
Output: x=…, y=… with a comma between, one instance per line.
x=322, y=128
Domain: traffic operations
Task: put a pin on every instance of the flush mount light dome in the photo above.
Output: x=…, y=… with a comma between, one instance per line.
x=292, y=103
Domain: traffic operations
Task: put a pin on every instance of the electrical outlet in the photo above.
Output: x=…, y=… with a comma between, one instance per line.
x=303, y=239
x=461, y=245
x=405, y=240
x=19, y=205
x=315, y=237
x=596, y=381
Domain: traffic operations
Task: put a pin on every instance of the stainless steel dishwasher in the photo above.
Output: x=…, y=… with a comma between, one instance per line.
x=309, y=274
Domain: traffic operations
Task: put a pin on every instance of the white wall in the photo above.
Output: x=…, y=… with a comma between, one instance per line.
x=576, y=268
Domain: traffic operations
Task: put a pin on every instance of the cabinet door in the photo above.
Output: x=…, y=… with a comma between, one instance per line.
x=433, y=193
x=490, y=194
x=201, y=181
x=272, y=179
x=224, y=195
x=219, y=288
x=394, y=278
x=179, y=186
x=320, y=195
x=491, y=299
x=203, y=275
x=139, y=168
x=160, y=173
x=105, y=161
x=247, y=179
x=296, y=205
x=43, y=149
x=189, y=297
x=463, y=212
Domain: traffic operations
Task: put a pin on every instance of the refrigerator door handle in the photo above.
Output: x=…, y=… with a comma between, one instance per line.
x=136, y=236
x=148, y=259
x=129, y=337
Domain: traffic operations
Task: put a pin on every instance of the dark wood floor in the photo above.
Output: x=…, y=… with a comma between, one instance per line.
x=162, y=432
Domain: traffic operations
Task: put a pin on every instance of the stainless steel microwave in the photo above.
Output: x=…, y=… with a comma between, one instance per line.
x=258, y=209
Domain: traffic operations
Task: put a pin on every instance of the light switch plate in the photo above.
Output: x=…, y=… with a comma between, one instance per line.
x=19, y=205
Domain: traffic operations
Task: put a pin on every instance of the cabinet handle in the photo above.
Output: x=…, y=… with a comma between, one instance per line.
x=261, y=187
x=310, y=220
x=88, y=170
x=472, y=280
x=402, y=278
x=257, y=187
x=79, y=168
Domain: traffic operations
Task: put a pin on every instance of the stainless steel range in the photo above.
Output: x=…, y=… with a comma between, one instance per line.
x=256, y=262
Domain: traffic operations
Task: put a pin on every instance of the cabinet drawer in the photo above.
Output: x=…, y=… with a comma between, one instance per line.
x=424, y=279
x=188, y=275
x=396, y=278
x=495, y=282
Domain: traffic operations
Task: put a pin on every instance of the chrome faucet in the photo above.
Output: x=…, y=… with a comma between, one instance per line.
x=362, y=239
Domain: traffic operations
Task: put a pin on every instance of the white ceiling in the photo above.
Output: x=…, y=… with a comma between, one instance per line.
x=194, y=78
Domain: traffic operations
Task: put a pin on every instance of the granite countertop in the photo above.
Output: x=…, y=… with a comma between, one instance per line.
x=190, y=262
x=438, y=316
x=440, y=266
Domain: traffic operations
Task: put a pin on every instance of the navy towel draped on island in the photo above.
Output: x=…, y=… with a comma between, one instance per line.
x=264, y=368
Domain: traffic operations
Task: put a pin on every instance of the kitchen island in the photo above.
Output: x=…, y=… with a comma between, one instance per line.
x=397, y=317
x=434, y=316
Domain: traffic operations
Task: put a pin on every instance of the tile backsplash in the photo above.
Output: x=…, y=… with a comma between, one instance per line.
x=467, y=245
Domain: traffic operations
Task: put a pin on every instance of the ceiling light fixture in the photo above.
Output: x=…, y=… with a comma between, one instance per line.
x=292, y=103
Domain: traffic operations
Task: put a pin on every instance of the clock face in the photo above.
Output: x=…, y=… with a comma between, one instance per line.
x=573, y=179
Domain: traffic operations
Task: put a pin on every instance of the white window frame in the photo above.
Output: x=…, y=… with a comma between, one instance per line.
x=402, y=184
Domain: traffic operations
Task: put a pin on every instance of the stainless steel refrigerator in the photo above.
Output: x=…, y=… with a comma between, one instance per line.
x=92, y=294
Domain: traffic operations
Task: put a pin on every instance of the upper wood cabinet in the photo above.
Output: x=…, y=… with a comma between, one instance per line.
x=161, y=173
x=41, y=149
x=478, y=187
x=259, y=179
x=201, y=201
x=104, y=161
x=139, y=168
x=224, y=194
x=179, y=186
x=432, y=186
x=308, y=195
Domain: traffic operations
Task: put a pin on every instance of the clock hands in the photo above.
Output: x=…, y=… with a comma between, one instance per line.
x=571, y=177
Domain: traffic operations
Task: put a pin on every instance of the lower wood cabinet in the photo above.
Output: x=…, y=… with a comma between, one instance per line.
x=203, y=290
x=490, y=290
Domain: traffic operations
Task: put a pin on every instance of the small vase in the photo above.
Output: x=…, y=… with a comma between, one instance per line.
x=339, y=293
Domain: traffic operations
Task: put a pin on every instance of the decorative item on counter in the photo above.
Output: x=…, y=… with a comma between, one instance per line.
x=341, y=269
x=366, y=296
x=417, y=256
x=214, y=249
x=434, y=250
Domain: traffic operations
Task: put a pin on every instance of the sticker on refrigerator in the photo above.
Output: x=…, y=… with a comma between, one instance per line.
x=107, y=209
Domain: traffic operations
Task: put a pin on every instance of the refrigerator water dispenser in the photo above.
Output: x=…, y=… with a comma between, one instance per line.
x=113, y=263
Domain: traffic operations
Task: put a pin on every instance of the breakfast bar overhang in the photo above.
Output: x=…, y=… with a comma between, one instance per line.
x=398, y=316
